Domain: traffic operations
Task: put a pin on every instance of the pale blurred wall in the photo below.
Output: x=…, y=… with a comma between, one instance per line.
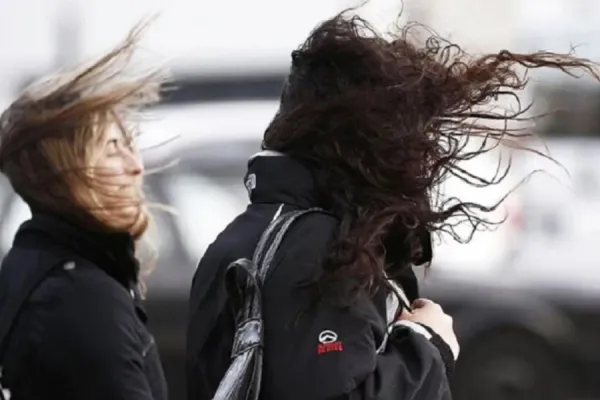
x=199, y=36
x=478, y=25
x=207, y=30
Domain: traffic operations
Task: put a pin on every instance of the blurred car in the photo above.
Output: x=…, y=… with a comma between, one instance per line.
x=525, y=333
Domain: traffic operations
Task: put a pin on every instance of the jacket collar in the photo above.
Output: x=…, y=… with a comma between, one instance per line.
x=273, y=177
x=112, y=252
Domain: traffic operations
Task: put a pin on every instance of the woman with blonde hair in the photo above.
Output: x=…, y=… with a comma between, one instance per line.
x=71, y=322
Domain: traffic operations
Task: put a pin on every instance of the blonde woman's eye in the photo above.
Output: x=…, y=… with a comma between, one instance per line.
x=112, y=145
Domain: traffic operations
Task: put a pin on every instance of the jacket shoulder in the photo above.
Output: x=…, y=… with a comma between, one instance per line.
x=76, y=279
x=42, y=283
x=303, y=248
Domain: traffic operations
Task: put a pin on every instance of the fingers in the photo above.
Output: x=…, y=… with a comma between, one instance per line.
x=420, y=303
x=405, y=314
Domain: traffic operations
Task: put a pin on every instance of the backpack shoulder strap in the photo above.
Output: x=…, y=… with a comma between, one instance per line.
x=273, y=237
x=243, y=378
x=257, y=269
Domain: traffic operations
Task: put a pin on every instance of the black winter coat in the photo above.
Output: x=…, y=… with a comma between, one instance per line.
x=80, y=334
x=327, y=352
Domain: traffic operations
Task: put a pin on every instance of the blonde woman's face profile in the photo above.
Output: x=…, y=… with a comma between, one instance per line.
x=116, y=171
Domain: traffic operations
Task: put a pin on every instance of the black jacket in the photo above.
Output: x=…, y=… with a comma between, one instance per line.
x=327, y=353
x=81, y=333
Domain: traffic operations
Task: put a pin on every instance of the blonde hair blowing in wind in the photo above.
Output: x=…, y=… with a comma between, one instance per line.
x=49, y=134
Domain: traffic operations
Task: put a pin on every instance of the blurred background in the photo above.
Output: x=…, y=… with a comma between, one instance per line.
x=525, y=297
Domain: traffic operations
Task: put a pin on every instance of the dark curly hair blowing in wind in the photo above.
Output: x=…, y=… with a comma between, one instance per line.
x=382, y=123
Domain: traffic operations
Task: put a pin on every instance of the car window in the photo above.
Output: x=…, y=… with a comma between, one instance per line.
x=205, y=206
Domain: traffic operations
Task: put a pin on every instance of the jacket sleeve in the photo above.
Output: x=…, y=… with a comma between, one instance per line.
x=93, y=347
x=412, y=367
x=325, y=352
x=333, y=354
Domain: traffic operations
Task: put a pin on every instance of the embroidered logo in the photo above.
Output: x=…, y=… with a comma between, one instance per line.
x=328, y=342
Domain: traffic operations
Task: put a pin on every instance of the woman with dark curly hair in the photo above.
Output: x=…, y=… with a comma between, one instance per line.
x=367, y=129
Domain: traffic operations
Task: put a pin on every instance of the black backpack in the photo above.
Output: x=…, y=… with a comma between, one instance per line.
x=243, y=377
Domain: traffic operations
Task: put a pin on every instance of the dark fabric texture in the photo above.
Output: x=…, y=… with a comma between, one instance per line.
x=310, y=353
x=81, y=333
x=443, y=348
